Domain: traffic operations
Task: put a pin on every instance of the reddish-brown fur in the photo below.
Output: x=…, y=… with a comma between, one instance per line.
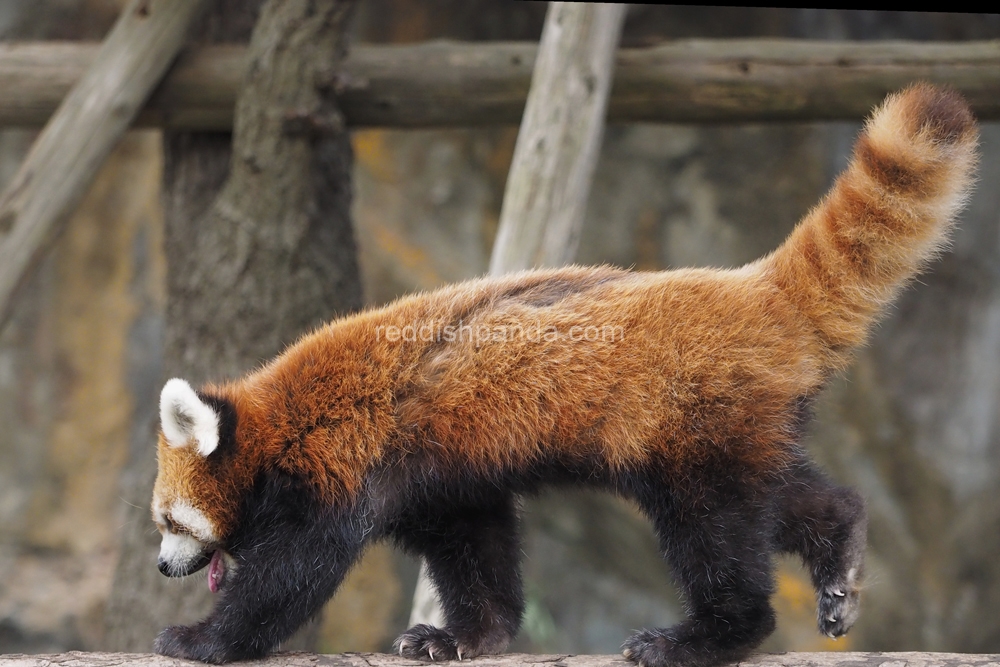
x=694, y=365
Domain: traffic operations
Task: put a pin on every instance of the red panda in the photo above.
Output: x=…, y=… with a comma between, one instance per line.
x=685, y=391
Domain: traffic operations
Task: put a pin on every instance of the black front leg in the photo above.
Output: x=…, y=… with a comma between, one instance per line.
x=291, y=556
x=473, y=556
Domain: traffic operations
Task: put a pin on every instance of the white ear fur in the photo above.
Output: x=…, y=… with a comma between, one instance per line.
x=184, y=416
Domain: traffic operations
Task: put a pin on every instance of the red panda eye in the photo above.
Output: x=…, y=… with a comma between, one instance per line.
x=169, y=524
x=176, y=528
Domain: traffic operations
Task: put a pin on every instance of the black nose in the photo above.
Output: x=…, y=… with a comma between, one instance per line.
x=185, y=568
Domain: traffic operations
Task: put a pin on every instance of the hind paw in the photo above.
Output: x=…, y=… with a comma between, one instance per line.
x=837, y=610
x=425, y=642
x=681, y=646
x=650, y=648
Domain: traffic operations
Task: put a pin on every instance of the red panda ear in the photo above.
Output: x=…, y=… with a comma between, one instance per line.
x=185, y=417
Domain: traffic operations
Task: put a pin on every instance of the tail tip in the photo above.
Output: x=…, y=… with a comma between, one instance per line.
x=937, y=112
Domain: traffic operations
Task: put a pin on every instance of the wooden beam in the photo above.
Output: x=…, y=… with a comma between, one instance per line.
x=82, y=132
x=559, y=140
x=830, y=659
x=440, y=84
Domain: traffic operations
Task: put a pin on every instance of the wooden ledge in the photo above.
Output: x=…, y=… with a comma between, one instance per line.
x=831, y=659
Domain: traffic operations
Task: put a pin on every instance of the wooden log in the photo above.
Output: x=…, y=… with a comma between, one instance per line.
x=559, y=140
x=86, y=127
x=831, y=659
x=440, y=84
x=789, y=80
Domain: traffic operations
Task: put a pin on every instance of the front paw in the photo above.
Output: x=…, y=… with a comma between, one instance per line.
x=177, y=641
x=425, y=642
x=188, y=643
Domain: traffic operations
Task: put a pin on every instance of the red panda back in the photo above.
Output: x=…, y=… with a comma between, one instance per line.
x=576, y=363
x=678, y=359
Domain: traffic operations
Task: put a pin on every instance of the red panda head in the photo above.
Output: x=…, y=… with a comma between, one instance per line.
x=193, y=498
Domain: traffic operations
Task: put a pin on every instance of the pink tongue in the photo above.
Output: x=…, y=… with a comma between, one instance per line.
x=216, y=570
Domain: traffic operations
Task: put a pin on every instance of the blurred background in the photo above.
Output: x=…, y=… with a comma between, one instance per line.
x=913, y=425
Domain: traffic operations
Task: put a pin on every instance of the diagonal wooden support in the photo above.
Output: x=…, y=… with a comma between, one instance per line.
x=560, y=138
x=88, y=124
x=554, y=160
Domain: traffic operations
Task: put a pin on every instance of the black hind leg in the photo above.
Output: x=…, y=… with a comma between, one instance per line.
x=826, y=525
x=472, y=555
x=720, y=550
